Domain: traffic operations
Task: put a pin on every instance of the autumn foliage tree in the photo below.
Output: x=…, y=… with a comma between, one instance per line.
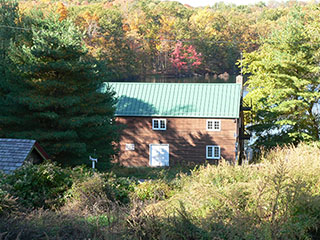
x=136, y=37
x=62, y=10
x=185, y=59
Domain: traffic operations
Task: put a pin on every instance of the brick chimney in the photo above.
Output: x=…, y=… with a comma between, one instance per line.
x=239, y=79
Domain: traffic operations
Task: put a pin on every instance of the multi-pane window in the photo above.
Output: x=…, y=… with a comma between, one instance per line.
x=155, y=124
x=213, y=125
x=213, y=152
x=159, y=124
x=162, y=124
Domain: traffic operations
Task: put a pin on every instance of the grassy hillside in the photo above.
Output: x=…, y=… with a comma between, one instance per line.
x=277, y=199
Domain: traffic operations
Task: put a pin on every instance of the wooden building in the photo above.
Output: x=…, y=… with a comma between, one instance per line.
x=166, y=124
x=16, y=152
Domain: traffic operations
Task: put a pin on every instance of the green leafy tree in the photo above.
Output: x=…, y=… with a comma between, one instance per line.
x=55, y=98
x=284, y=83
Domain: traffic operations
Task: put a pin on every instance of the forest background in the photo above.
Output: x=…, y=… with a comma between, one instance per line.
x=55, y=55
x=137, y=38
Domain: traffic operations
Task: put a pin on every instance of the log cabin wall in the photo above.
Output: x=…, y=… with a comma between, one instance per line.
x=187, y=139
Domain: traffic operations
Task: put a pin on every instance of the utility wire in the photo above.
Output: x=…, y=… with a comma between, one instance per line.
x=20, y=28
x=147, y=39
x=175, y=40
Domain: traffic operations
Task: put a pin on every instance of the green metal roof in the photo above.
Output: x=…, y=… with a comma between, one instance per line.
x=177, y=99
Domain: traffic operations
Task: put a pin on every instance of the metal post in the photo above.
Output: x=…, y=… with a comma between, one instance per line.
x=94, y=160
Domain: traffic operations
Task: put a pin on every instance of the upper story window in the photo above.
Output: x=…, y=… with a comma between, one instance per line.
x=213, y=125
x=213, y=152
x=159, y=124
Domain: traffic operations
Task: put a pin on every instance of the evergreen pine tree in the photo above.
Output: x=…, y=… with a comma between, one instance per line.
x=55, y=98
x=8, y=32
x=8, y=29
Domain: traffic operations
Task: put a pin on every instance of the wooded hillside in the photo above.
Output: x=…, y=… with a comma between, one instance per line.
x=139, y=37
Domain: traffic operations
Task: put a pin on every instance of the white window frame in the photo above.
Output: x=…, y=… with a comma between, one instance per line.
x=213, y=147
x=159, y=124
x=213, y=125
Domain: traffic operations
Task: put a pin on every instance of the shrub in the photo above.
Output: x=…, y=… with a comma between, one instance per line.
x=91, y=196
x=81, y=173
x=40, y=224
x=141, y=224
x=40, y=186
x=122, y=187
x=181, y=224
x=8, y=203
x=168, y=173
x=152, y=190
x=99, y=192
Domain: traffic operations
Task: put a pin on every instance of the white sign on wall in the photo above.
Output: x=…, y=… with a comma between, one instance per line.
x=129, y=147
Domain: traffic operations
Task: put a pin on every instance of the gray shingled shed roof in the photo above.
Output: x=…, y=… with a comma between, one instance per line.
x=13, y=153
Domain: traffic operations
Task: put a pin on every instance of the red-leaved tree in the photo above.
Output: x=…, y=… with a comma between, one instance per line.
x=185, y=58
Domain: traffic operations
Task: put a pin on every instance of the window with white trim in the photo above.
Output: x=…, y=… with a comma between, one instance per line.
x=159, y=124
x=213, y=152
x=213, y=125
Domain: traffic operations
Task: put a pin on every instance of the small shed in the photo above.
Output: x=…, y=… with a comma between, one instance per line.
x=16, y=152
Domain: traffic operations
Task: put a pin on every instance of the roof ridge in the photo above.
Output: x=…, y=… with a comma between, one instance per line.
x=169, y=83
x=16, y=140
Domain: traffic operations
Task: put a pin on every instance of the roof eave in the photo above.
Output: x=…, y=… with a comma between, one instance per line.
x=170, y=116
x=41, y=151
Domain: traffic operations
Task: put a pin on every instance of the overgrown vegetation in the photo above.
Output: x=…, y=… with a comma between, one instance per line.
x=168, y=173
x=278, y=198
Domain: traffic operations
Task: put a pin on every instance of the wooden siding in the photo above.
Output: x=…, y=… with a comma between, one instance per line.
x=187, y=138
x=34, y=157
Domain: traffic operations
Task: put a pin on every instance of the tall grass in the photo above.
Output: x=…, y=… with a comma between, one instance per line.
x=277, y=199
